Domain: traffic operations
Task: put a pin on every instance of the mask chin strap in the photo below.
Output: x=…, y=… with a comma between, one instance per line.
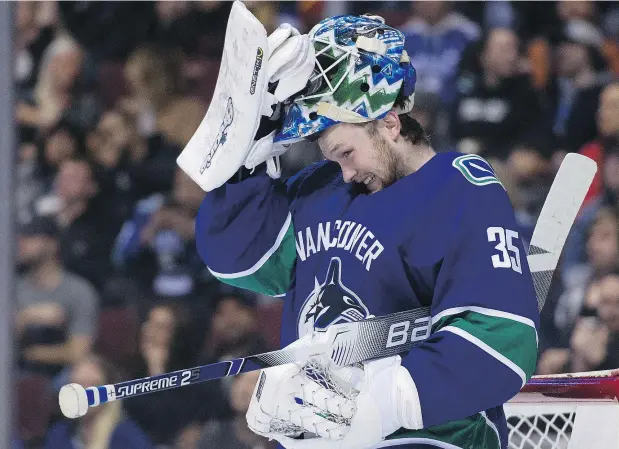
x=274, y=167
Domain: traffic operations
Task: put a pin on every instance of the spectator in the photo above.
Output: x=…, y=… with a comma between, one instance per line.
x=608, y=196
x=62, y=142
x=233, y=433
x=103, y=427
x=212, y=17
x=436, y=36
x=572, y=28
x=610, y=48
x=580, y=284
x=93, y=24
x=86, y=234
x=28, y=186
x=59, y=92
x=578, y=63
x=156, y=95
x=532, y=173
x=234, y=330
x=576, y=10
x=56, y=310
x=608, y=134
x=129, y=166
x=38, y=167
x=167, y=343
x=602, y=248
x=497, y=107
x=31, y=37
x=595, y=342
x=157, y=245
x=176, y=25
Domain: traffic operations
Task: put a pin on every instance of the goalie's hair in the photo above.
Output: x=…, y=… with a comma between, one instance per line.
x=411, y=129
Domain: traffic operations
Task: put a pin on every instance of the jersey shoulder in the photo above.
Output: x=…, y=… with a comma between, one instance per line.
x=314, y=177
x=467, y=185
x=468, y=175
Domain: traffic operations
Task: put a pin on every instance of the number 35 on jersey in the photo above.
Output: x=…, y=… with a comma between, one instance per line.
x=508, y=255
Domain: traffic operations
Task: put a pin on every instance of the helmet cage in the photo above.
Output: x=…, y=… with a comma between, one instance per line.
x=349, y=55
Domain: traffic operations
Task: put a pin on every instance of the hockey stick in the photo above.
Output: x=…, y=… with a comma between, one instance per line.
x=379, y=337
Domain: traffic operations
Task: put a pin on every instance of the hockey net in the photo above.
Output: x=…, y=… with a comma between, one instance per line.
x=568, y=411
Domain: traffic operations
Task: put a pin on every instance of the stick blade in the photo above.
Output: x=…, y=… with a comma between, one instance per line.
x=562, y=204
x=556, y=218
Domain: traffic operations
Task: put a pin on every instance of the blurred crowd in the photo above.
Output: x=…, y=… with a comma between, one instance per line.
x=110, y=286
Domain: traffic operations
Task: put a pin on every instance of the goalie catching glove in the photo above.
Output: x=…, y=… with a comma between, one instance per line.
x=334, y=407
x=257, y=73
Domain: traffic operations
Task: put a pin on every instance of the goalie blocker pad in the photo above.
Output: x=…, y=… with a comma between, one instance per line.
x=221, y=143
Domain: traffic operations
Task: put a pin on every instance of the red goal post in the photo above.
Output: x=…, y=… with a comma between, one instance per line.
x=566, y=411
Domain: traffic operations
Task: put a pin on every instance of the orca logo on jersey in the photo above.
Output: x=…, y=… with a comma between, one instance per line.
x=330, y=303
x=476, y=170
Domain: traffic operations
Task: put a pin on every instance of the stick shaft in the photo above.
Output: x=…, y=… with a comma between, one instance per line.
x=345, y=344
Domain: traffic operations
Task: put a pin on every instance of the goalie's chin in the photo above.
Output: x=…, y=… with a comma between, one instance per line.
x=376, y=185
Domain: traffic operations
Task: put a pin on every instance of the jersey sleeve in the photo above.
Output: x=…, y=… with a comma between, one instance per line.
x=483, y=344
x=245, y=236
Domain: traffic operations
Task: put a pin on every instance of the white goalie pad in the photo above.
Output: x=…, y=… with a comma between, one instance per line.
x=221, y=143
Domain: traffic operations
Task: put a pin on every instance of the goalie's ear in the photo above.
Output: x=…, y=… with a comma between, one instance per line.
x=391, y=126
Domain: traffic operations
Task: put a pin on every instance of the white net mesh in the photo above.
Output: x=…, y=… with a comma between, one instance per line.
x=574, y=411
x=540, y=431
x=284, y=427
x=321, y=374
x=567, y=411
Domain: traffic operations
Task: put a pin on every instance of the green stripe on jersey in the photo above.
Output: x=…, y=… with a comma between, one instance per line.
x=271, y=276
x=474, y=432
x=513, y=337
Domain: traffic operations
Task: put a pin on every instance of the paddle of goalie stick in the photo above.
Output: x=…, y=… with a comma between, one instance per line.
x=378, y=337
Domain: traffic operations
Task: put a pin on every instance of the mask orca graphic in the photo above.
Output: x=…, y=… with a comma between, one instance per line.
x=331, y=302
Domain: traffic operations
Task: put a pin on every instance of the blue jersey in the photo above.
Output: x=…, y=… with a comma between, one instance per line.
x=444, y=236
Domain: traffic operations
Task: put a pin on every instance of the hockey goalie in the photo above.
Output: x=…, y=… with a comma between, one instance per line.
x=383, y=224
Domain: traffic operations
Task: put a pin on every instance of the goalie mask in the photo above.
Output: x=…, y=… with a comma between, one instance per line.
x=361, y=68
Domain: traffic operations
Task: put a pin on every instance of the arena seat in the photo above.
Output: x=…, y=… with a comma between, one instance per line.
x=117, y=337
x=34, y=408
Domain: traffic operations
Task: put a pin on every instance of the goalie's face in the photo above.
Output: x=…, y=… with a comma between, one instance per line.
x=367, y=154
